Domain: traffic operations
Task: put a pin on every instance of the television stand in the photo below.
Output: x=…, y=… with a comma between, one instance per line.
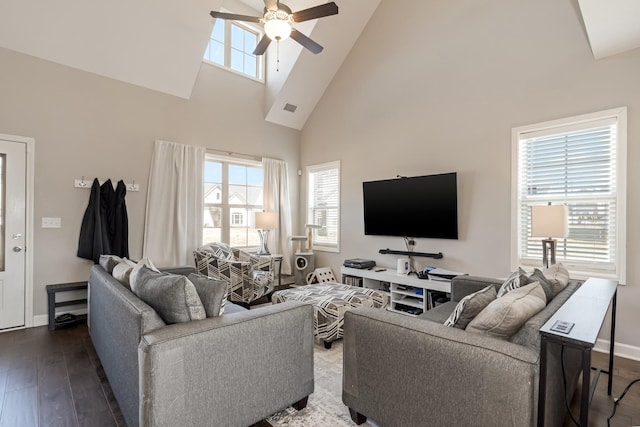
x=407, y=295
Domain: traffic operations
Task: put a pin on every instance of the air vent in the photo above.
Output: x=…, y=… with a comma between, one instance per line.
x=290, y=108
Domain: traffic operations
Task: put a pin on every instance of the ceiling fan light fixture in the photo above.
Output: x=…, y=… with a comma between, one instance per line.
x=277, y=24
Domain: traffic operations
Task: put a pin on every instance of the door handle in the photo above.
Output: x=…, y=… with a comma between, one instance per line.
x=17, y=249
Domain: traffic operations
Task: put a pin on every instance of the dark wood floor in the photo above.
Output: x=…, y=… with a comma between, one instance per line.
x=55, y=379
x=628, y=411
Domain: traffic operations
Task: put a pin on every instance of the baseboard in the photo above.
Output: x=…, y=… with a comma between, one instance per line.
x=40, y=320
x=43, y=319
x=620, y=350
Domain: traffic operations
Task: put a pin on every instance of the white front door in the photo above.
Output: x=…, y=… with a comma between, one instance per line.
x=13, y=169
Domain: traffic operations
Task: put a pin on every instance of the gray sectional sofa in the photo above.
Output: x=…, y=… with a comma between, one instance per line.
x=231, y=370
x=409, y=371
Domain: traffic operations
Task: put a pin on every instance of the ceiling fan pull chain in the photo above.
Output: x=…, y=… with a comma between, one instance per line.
x=277, y=56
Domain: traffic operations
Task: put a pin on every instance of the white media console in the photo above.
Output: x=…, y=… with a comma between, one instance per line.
x=406, y=292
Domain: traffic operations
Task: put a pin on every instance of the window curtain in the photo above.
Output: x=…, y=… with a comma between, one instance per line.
x=276, y=199
x=175, y=205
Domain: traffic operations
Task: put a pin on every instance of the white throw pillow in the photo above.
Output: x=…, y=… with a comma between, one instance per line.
x=122, y=271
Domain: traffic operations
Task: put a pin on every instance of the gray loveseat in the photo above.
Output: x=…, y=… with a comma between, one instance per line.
x=409, y=371
x=231, y=370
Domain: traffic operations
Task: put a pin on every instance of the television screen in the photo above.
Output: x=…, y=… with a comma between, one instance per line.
x=421, y=206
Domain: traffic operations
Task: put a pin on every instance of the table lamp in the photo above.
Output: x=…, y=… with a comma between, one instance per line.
x=552, y=222
x=265, y=221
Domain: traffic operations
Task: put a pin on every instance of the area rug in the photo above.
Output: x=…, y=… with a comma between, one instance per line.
x=325, y=407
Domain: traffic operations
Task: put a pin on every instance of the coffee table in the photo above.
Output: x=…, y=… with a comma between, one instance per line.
x=330, y=301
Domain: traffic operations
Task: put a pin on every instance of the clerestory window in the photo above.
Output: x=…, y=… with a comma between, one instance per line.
x=231, y=45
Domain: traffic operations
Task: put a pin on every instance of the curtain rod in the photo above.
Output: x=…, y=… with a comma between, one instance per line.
x=233, y=154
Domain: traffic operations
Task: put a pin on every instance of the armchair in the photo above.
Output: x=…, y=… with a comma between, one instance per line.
x=248, y=276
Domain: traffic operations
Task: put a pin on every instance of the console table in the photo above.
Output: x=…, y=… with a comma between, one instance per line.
x=404, y=290
x=577, y=324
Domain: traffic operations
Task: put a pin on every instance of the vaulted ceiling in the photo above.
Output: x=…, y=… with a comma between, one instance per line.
x=158, y=44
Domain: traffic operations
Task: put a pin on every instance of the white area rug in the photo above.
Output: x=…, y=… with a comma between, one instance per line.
x=325, y=407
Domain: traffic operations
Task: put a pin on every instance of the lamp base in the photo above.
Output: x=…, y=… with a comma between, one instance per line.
x=549, y=252
x=263, y=249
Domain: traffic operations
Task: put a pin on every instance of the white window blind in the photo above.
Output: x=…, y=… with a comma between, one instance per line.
x=323, y=204
x=575, y=162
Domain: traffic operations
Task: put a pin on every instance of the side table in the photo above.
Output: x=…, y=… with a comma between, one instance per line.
x=577, y=324
x=51, y=294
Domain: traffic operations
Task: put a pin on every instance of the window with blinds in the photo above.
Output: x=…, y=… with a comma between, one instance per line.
x=323, y=205
x=577, y=162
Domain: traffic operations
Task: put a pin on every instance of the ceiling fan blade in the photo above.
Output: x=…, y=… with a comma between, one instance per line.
x=234, y=17
x=306, y=41
x=316, y=12
x=271, y=4
x=262, y=46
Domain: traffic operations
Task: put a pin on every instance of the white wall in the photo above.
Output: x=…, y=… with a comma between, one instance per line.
x=88, y=125
x=437, y=86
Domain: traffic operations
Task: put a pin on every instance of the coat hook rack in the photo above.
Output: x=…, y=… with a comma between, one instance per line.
x=133, y=186
x=81, y=183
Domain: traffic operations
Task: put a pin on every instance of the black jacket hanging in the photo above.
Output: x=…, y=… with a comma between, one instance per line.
x=105, y=227
x=93, y=232
x=107, y=199
x=120, y=237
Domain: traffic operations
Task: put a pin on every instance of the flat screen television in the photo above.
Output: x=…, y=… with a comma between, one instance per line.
x=420, y=206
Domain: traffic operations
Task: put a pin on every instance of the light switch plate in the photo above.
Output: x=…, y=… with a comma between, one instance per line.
x=48, y=222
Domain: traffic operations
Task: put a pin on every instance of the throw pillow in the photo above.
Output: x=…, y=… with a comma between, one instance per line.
x=538, y=276
x=212, y=293
x=470, y=306
x=108, y=262
x=122, y=271
x=172, y=296
x=504, y=316
x=133, y=277
x=558, y=276
x=515, y=280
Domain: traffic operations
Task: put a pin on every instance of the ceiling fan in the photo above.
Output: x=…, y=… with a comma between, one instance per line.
x=278, y=20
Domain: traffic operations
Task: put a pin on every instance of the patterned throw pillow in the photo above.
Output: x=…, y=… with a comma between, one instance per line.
x=212, y=293
x=504, y=316
x=558, y=276
x=515, y=280
x=172, y=296
x=470, y=306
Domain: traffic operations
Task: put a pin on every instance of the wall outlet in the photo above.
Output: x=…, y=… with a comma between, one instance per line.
x=51, y=222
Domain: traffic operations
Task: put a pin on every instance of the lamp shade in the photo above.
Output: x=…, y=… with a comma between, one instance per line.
x=266, y=220
x=549, y=221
